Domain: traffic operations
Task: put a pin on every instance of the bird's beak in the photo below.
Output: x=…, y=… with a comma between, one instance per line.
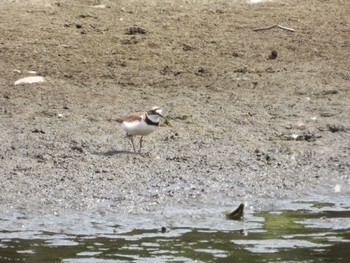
x=161, y=115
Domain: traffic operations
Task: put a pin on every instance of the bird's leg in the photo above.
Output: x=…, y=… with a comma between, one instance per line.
x=132, y=142
x=141, y=139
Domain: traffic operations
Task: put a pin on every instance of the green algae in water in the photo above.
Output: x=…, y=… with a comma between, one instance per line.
x=309, y=232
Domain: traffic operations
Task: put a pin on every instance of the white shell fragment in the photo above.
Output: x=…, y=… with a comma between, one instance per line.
x=30, y=80
x=337, y=188
x=294, y=136
x=100, y=6
x=257, y=1
x=60, y=115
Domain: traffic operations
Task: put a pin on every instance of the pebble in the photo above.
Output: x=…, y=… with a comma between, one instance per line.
x=273, y=54
x=134, y=30
x=336, y=128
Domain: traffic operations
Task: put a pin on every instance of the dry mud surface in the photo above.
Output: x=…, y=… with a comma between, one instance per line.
x=241, y=126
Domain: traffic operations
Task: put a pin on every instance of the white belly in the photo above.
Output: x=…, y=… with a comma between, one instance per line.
x=138, y=128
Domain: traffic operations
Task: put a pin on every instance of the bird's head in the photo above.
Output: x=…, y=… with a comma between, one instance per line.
x=155, y=111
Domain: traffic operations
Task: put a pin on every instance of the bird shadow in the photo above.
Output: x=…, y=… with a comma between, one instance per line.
x=114, y=152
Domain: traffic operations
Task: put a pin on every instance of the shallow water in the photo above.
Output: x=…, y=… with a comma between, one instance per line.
x=298, y=232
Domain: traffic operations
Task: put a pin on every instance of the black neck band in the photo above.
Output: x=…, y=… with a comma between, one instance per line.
x=150, y=122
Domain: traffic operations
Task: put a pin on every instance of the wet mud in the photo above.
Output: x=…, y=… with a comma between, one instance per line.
x=242, y=124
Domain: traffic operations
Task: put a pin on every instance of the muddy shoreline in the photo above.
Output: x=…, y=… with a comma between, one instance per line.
x=241, y=126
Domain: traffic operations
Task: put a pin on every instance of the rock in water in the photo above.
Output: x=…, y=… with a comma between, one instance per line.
x=237, y=214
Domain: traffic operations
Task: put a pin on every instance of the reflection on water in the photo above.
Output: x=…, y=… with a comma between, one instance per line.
x=304, y=232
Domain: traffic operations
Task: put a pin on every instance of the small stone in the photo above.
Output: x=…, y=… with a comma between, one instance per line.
x=330, y=92
x=78, y=149
x=201, y=71
x=235, y=54
x=134, y=30
x=327, y=114
x=336, y=127
x=186, y=47
x=273, y=54
x=166, y=70
x=38, y=131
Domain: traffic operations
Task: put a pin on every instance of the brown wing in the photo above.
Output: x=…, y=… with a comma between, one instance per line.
x=131, y=117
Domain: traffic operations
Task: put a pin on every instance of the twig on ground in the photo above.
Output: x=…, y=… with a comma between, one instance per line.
x=278, y=26
x=286, y=28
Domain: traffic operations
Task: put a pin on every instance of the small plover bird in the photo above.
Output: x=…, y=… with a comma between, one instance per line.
x=140, y=123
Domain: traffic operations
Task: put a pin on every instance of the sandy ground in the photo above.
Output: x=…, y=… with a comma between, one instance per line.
x=242, y=126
